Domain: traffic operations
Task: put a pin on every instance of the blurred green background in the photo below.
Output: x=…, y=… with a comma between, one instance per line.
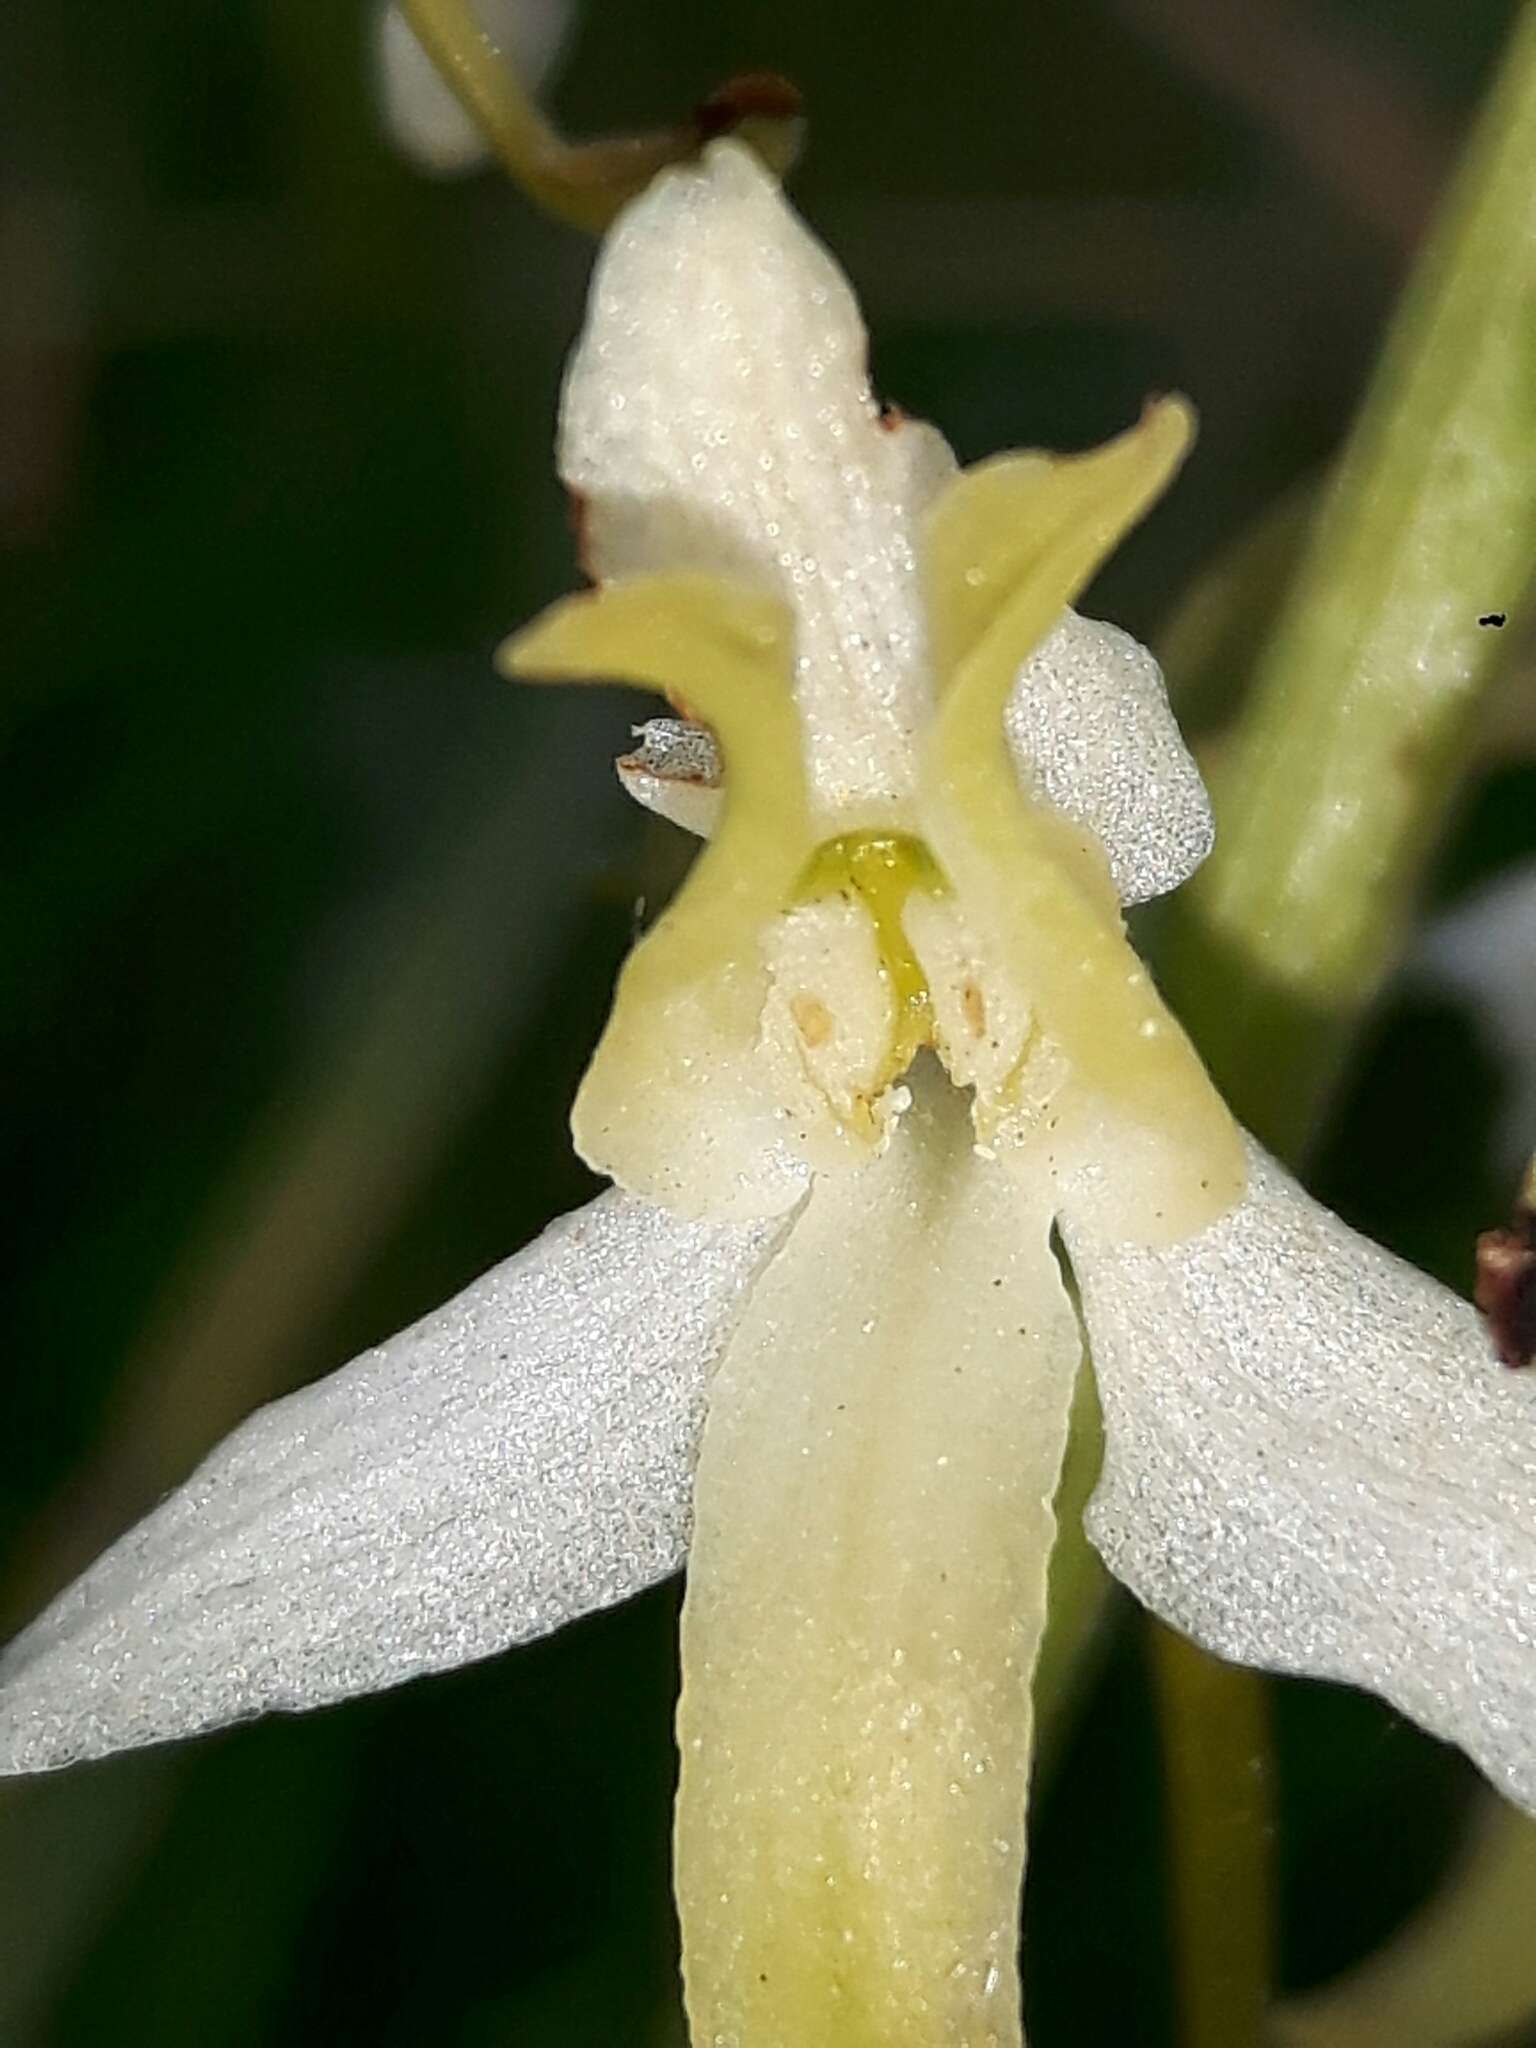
x=310, y=921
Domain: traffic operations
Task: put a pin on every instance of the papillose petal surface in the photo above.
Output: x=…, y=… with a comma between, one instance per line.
x=1091, y=732
x=1314, y=1464
x=520, y=1457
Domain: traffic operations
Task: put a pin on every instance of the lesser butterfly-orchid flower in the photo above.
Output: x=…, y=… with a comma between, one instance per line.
x=882, y=1068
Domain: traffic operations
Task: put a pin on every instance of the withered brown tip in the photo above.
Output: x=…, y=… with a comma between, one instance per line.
x=1505, y=1290
x=752, y=96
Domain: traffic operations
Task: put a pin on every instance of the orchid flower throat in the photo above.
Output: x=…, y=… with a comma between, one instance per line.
x=761, y=1028
x=874, y=874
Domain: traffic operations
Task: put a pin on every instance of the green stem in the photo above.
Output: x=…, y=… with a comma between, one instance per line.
x=1219, y=1794
x=1330, y=795
x=558, y=177
x=1362, y=716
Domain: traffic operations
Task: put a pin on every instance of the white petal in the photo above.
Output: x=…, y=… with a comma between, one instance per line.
x=421, y=112
x=1091, y=731
x=520, y=1457
x=1314, y=1464
x=718, y=416
x=865, y=1599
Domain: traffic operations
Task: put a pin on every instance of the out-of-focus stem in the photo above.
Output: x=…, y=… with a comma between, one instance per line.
x=1219, y=1795
x=585, y=184
x=1460, y=1974
x=1362, y=716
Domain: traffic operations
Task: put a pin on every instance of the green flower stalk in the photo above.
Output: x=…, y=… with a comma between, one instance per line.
x=582, y=183
x=1363, y=714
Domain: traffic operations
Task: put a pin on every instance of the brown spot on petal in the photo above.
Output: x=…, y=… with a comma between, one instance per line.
x=1505, y=1290
x=813, y=1020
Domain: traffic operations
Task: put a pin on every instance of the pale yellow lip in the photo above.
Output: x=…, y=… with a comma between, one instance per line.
x=867, y=1588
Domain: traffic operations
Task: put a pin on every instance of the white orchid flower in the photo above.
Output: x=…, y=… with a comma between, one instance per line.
x=886, y=1041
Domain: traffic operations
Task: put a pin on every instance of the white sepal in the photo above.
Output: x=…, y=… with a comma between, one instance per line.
x=718, y=416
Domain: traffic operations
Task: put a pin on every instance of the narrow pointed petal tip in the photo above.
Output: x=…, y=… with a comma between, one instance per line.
x=1314, y=1464
x=520, y=1457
